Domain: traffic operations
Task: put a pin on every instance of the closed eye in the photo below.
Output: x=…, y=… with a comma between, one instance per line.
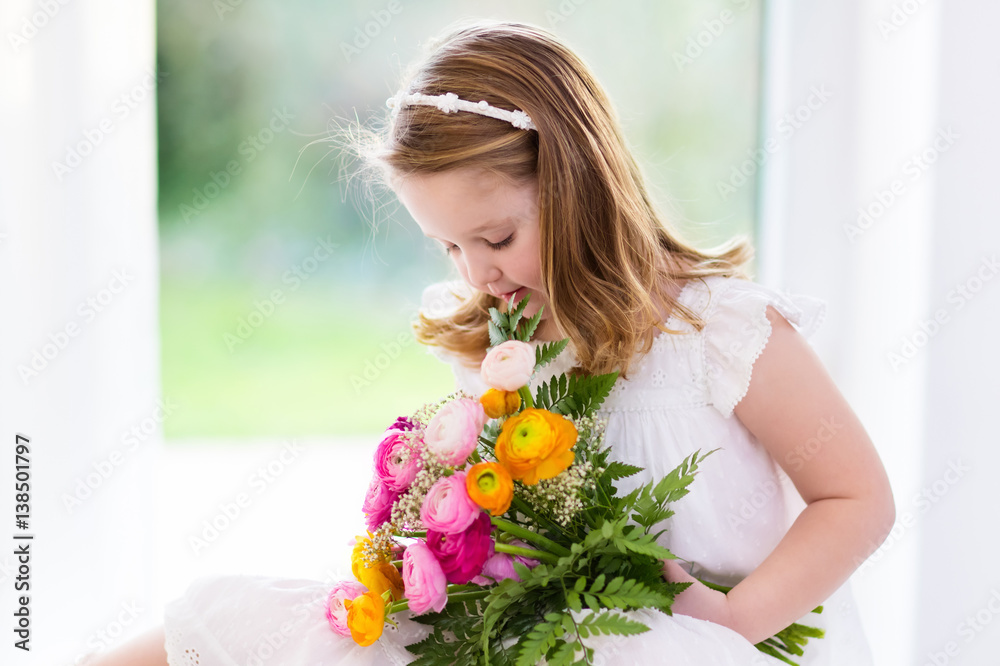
x=493, y=246
x=502, y=244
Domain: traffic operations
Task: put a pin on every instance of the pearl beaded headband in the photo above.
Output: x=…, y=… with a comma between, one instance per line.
x=451, y=103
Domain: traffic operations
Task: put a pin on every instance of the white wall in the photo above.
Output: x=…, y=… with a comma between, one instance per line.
x=909, y=134
x=78, y=287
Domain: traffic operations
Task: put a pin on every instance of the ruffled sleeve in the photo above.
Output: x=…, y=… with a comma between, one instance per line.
x=737, y=330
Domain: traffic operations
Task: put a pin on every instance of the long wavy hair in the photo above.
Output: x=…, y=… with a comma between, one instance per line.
x=611, y=264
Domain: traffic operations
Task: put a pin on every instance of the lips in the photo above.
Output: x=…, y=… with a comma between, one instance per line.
x=519, y=293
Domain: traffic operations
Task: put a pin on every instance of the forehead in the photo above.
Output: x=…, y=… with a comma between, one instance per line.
x=465, y=202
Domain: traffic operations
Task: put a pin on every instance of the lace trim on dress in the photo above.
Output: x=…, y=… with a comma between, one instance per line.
x=177, y=654
x=729, y=350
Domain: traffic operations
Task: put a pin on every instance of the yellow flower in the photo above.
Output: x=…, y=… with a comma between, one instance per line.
x=499, y=403
x=377, y=576
x=365, y=617
x=536, y=444
x=490, y=486
x=381, y=577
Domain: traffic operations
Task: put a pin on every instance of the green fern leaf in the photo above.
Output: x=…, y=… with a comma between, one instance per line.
x=547, y=351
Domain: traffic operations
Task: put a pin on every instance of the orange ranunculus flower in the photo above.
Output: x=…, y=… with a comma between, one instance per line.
x=490, y=486
x=536, y=444
x=377, y=577
x=365, y=617
x=499, y=403
x=381, y=577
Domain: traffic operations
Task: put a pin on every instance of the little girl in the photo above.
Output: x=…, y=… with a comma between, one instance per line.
x=506, y=151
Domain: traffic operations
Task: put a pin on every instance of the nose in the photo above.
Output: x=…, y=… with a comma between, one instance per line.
x=481, y=271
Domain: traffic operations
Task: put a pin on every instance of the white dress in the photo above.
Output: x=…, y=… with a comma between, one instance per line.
x=679, y=398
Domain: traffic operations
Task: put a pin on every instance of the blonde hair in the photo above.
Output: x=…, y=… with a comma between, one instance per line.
x=608, y=259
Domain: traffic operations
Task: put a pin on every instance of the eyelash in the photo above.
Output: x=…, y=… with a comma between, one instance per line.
x=495, y=246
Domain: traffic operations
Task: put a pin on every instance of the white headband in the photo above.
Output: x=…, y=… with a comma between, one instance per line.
x=450, y=103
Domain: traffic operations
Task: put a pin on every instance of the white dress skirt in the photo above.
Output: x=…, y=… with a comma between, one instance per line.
x=679, y=398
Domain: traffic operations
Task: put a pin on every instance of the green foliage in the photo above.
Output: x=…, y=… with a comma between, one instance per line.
x=547, y=351
x=505, y=326
x=612, y=565
x=575, y=396
x=602, y=564
x=651, y=504
x=791, y=639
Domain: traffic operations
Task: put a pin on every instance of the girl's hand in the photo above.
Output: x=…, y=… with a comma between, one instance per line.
x=699, y=600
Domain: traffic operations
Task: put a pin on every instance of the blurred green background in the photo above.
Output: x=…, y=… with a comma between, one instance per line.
x=286, y=295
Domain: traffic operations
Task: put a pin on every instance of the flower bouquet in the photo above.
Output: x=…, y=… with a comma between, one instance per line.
x=496, y=522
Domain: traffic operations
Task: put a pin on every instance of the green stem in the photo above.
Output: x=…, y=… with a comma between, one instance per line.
x=714, y=586
x=463, y=588
x=526, y=400
x=404, y=604
x=542, y=521
x=419, y=534
x=530, y=553
x=529, y=536
x=468, y=596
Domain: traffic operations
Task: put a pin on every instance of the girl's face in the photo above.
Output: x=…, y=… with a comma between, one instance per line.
x=487, y=226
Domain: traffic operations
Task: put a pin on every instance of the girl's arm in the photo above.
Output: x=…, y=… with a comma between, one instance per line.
x=849, y=511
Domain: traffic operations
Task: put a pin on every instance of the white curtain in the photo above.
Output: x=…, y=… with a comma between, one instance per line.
x=881, y=198
x=79, y=349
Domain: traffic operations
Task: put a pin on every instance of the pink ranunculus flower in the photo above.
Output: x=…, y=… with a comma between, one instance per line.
x=378, y=503
x=454, y=431
x=447, y=507
x=424, y=579
x=500, y=566
x=508, y=366
x=336, y=614
x=462, y=555
x=395, y=462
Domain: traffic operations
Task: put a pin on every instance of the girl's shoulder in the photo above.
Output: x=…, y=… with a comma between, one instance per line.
x=736, y=329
